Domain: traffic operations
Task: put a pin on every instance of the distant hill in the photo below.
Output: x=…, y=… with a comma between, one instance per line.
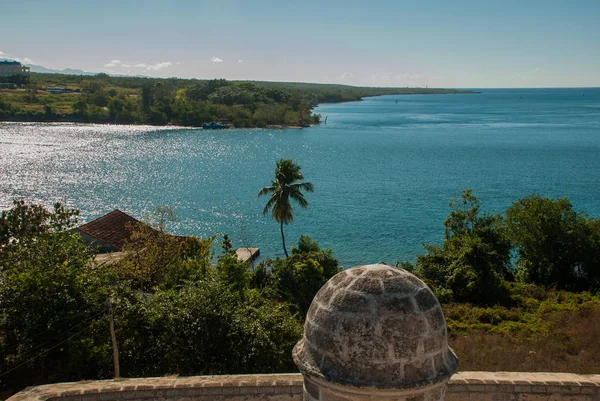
x=72, y=71
x=66, y=71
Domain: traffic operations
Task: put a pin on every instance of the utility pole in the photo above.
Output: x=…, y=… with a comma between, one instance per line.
x=111, y=324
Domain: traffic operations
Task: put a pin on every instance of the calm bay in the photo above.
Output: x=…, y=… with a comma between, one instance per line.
x=384, y=169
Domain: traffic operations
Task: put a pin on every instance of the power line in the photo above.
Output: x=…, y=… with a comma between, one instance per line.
x=88, y=321
x=66, y=320
x=44, y=352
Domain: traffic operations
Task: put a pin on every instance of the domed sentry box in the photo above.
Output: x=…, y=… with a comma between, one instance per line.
x=375, y=332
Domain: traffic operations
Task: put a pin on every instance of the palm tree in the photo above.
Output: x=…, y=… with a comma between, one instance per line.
x=284, y=187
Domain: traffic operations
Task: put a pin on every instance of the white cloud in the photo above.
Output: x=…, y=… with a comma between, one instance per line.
x=216, y=60
x=178, y=63
x=240, y=61
x=24, y=60
x=538, y=70
x=346, y=75
x=2, y=54
x=409, y=77
x=126, y=65
x=159, y=66
x=142, y=65
x=113, y=63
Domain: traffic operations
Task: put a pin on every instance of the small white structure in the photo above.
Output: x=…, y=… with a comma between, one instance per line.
x=247, y=254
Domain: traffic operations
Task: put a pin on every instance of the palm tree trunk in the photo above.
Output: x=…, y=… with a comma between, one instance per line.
x=283, y=239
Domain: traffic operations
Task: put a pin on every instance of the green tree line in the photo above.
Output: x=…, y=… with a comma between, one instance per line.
x=161, y=102
x=187, y=102
x=537, y=240
x=181, y=306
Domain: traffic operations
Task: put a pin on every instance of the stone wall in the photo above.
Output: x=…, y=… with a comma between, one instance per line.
x=465, y=386
x=517, y=386
x=282, y=387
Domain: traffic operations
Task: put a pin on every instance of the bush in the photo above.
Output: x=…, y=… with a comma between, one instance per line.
x=471, y=263
x=205, y=328
x=556, y=245
x=297, y=279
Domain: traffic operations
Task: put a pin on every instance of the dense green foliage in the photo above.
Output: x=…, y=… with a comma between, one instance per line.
x=518, y=291
x=502, y=282
x=286, y=186
x=51, y=299
x=556, y=247
x=473, y=259
x=188, y=102
x=298, y=278
x=177, y=309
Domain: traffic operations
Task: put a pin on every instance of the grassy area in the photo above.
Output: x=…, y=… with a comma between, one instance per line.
x=547, y=331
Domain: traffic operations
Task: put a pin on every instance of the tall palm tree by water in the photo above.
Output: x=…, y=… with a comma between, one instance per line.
x=286, y=185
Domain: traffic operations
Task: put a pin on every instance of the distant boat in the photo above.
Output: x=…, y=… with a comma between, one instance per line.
x=214, y=125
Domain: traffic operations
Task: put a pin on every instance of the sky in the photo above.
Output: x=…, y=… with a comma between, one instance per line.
x=435, y=43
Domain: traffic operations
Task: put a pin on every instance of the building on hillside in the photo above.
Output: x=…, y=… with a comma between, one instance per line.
x=108, y=233
x=10, y=68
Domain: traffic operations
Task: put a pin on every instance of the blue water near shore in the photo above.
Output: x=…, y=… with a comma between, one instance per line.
x=383, y=171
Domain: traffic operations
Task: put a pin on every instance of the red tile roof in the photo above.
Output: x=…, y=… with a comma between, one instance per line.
x=113, y=228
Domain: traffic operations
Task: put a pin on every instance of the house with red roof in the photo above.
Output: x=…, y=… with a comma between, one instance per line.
x=108, y=233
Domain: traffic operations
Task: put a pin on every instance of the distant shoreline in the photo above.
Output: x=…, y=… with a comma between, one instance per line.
x=449, y=92
x=79, y=120
x=102, y=99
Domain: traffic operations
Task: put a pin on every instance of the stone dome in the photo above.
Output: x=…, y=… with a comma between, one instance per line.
x=376, y=326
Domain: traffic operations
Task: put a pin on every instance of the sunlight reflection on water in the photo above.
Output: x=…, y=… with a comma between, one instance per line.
x=383, y=172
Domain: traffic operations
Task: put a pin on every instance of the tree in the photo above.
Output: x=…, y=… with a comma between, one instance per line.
x=556, y=245
x=31, y=92
x=471, y=263
x=80, y=108
x=115, y=107
x=204, y=327
x=230, y=270
x=296, y=279
x=160, y=216
x=51, y=293
x=284, y=187
x=25, y=221
x=151, y=256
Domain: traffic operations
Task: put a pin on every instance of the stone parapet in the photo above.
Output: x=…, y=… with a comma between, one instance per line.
x=464, y=386
x=520, y=386
x=277, y=387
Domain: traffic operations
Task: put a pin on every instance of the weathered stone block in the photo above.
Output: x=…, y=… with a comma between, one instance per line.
x=367, y=285
x=426, y=300
x=395, y=304
x=406, y=349
x=436, y=320
x=347, y=301
x=417, y=371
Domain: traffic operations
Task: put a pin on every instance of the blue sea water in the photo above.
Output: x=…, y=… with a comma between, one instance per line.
x=383, y=169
